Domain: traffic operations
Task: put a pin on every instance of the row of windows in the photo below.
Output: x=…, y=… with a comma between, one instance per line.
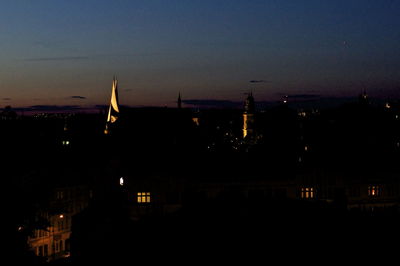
x=305, y=193
x=42, y=251
x=373, y=191
x=40, y=233
x=62, y=223
x=69, y=194
x=58, y=246
x=143, y=197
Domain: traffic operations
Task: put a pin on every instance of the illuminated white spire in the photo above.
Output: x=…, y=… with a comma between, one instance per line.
x=113, y=110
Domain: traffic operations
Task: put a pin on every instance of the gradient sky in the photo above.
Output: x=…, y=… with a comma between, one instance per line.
x=55, y=50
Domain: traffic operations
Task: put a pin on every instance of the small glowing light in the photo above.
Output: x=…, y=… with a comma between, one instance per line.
x=65, y=142
x=20, y=228
x=305, y=148
x=302, y=114
x=387, y=106
x=61, y=216
x=374, y=191
x=121, y=181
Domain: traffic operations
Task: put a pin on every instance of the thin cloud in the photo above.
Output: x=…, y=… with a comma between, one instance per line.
x=258, y=81
x=52, y=108
x=61, y=58
x=78, y=97
x=34, y=109
x=6, y=99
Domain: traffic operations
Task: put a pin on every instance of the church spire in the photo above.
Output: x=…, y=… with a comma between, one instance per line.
x=179, y=101
x=113, y=110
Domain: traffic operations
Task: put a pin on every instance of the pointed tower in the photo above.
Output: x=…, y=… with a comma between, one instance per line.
x=179, y=101
x=363, y=98
x=248, y=117
x=113, y=110
x=66, y=136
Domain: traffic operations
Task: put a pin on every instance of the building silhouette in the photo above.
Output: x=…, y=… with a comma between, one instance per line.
x=180, y=176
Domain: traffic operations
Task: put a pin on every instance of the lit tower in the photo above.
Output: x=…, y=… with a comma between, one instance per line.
x=248, y=117
x=113, y=110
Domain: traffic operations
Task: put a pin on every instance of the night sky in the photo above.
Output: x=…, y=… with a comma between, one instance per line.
x=57, y=52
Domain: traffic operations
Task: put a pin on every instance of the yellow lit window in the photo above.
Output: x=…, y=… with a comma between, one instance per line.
x=374, y=191
x=307, y=193
x=143, y=197
x=65, y=142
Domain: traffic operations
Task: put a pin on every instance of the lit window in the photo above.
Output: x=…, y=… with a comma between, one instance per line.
x=60, y=195
x=307, y=193
x=65, y=142
x=302, y=114
x=374, y=191
x=143, y=197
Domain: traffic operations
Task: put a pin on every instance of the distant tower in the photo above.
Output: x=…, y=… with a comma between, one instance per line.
x=363, y=98
x=113, y=110
x=285, y=99
x=179, y=101
x=66, y=134
x=248, y=117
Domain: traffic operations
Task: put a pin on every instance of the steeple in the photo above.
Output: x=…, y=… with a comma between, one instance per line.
x=249, y=106
x=113, y=110
x=179, y=101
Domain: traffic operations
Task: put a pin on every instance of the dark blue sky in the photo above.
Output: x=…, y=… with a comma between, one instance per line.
x=52, y=50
